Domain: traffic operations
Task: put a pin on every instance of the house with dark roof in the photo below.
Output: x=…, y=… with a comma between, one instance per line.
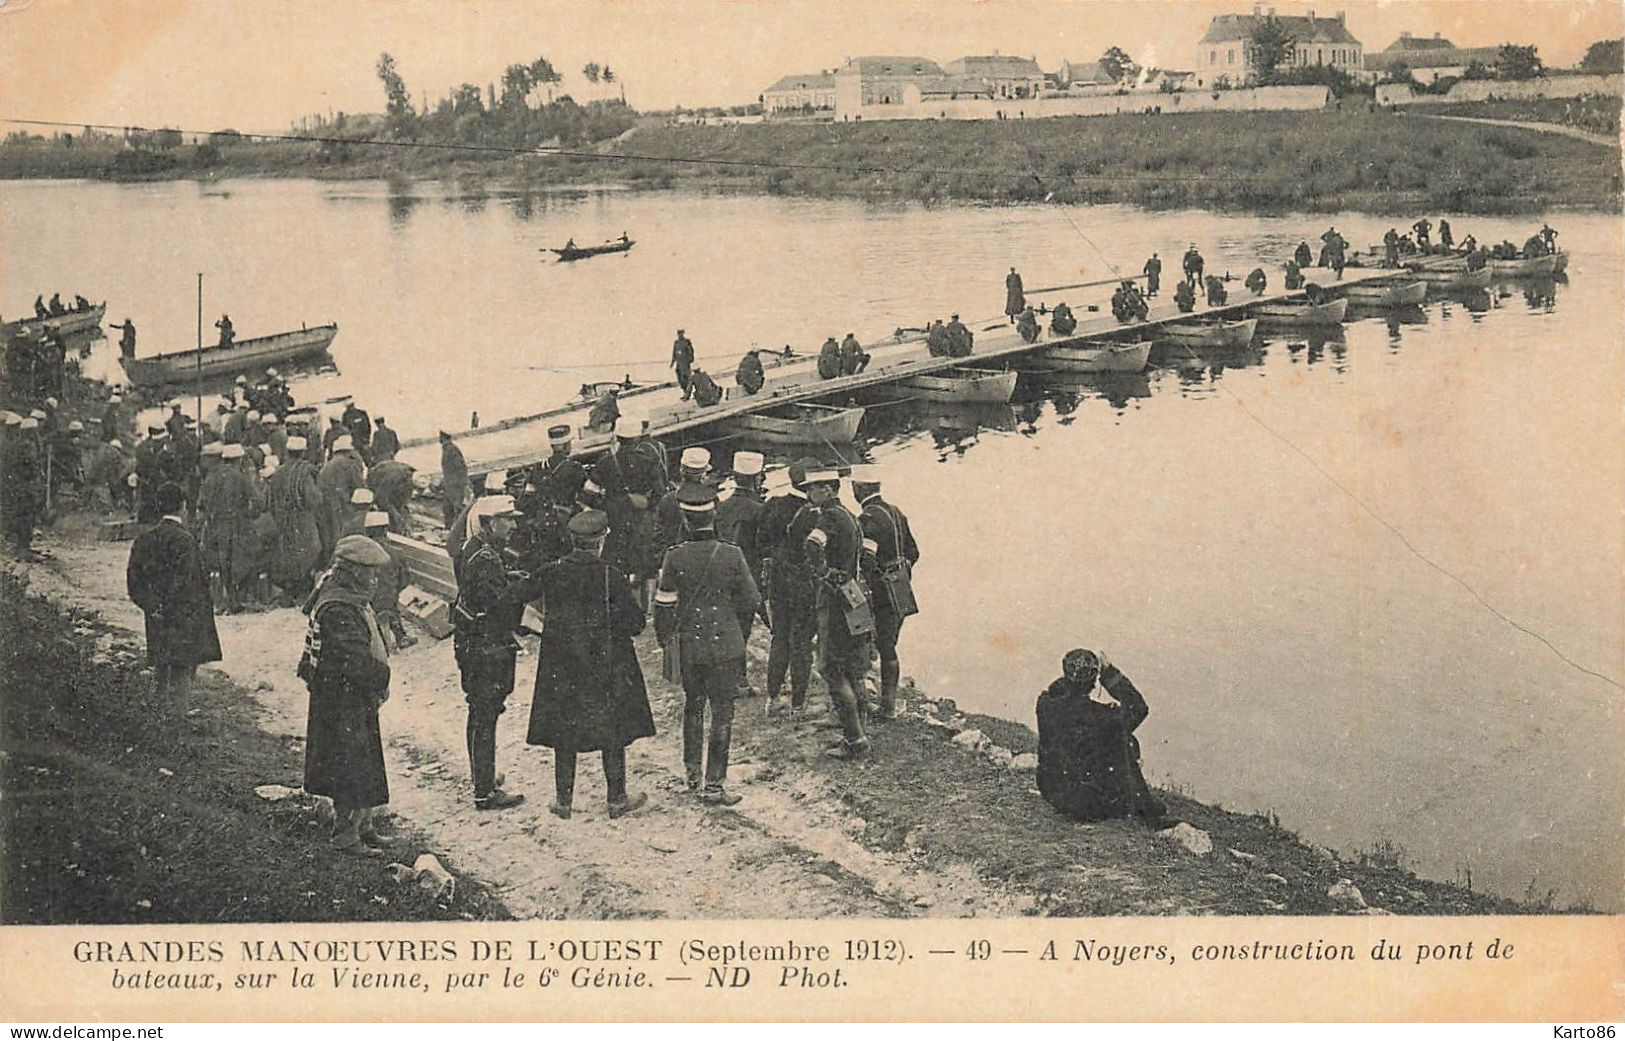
x=1429, y=58
x=1006, y=76
x=810, y=92
x=946, y=88
x=1079, y=74
x=878, y=80
x=1224, y=52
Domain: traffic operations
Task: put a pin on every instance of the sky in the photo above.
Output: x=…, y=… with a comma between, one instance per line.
x=257, y=65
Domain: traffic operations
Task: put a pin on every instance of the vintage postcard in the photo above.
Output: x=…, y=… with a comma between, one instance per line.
x=892, y=510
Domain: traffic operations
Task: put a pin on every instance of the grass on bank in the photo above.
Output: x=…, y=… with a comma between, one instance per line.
x=1252, y=161
x=123, y=807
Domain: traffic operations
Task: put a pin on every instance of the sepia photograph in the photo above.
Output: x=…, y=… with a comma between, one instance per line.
x=559, y=461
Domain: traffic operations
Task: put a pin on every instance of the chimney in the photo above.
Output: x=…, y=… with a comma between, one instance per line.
x=1404, y=35
x=1311, y=15
x=1436, y=34
x=1342, y=16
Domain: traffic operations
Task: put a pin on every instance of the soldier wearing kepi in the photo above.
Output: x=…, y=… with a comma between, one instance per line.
x=682, y=359
x=705, y=604
x=834, y=549
x=392, y=578
x=788, y=587
x=590, y=694
x=895, y=554
x=737, y=510
x=693, y=465
x=490, y=602
x=165, y=578
x=632, y=475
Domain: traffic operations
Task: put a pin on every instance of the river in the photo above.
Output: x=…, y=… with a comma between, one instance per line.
x=1318, y=560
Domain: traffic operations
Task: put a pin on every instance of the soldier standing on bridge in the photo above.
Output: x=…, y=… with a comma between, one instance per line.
x=1303, y=256
x=1193, y=265
x=1423, y=228
x=1153, y=275
x=1015, y=297
x=1446, y=240
x=961, y=341
x=682, y=359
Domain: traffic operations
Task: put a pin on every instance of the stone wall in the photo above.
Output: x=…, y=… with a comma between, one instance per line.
x=1501, y=90
x=1254, y=100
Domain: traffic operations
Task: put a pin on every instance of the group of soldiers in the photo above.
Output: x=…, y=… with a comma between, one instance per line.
x=597, y=546
x=56, y=308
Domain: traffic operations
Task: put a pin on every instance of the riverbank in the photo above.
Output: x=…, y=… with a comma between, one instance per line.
x=930, y=825
x=1262, y=161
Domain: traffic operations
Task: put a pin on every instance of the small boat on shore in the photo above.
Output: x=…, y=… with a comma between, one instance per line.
x=962, y=386
x=1104, y=357
x=1226, y=334
x=1401, y=294
x=58, y=325
x=802, y=424
x=574, y=252
x=1560, y=262
x=1455, y=276
x=1329, y=313
x=1525, y=267
x=181, y=366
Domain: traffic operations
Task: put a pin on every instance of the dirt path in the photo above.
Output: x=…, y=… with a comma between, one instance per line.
x=1544, y=128
x=791, y=849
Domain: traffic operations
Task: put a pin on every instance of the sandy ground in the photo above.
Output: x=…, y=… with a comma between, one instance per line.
x=791, y=849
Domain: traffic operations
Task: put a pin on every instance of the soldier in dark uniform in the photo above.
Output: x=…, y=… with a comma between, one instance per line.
x=1422, y=228
x=490, y=602
x=146, y=469
x=694, y=465
x=829, y=359
x=682, y=359
x=1303, y=255
x=40, y=310
x=385, y=442
x=1294, y=275
x=1216, y=293
x=1257, y=281
x=749, y=377
x=834, y=548
x=788, y=587
x=392, y=578
x=1027, y=325
x=165, y=578
x=705, y=605
x=1193, y=265
x=57, y=310
x=704, y=388
x=391, y=484
x=961, y=341
x=1446, y=238
x=1088, y=757
x=606, y=411
x=1390, y=248
x=936, y=339
x=228, y=335
x=895, y=554
x=1153, y=275
x=1062, y=322
x=736, y=523
x=346, y=669
x=590, y=694
x=1015, y=297
x=561, y=475
x=632, y=475
x=24, y=497
x=854, y=359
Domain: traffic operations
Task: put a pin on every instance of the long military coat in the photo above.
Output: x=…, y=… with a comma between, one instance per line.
x=228, y=508
x=590, y=693
x=165, y=579
x=346, y=670
x=1088, y=757
x=296, y=505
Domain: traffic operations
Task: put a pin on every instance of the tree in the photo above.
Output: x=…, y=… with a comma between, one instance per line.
x=591, y=70
x=1518, y=63
x=1604, y=56
x=1399, y=72
x=398, y=100
x=1116, y=62
x=1268, y=46
x=1477, y=70
x=609, y=75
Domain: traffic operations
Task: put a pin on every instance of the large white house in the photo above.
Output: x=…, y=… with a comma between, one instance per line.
x=878, y=80
x=813, y=92
x=1224, y=54
x=1005, y=76
x=1430, y=57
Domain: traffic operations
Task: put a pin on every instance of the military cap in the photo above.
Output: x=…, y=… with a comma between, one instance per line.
x=695, y=459
x=158, y=434
x=358, y=549
x=268, y=467
x=271, y=371
x=776, y=480
x=496, y=479
x=296, y=443
x=588, y=525
x=559, y=434
x=361, y=497
x=344, y=443
x=174, y=406
x=242, y=381
x=696, y=497
x=497, y=506
x=37, y=413
x=52, y=402
x=114, y=399
x=748, y=464
x=376, y=519
x=631, y=426
x=253, y=414
x=214, y=448
x=232, y=451
x=866, y=473
x=116, y=443
x=822, y=475
x=270, y=419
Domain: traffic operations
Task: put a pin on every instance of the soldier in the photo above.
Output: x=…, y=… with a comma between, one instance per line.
x=1027, y=325
x=562, y=475
x=146, y=468
x=961, y=341
x=834, y=548
x=632, y=475
x=354, y=518
x=704, y=388
x=228, y=335
x=24, y=497
x=227, y=509
x=737, y=510
x=1303, y=255
x=338, y=479
x=296, y=506
x=682, y=359
x=854, y=359
x=391, y=484
x=165, y=578
x=1548, y=236
x=1390, y=248
x=184, y=459
x=895, y=555
x=1088, y=757
x=1257, y=281
x=704, y=607
x=1015, y=298
x=104, y=476
x=359, y=424
x=57, y=310
x=590, y=693
x=1294, y=274
x=606, y=411
x=459, y=537
x=1447, y=240
x=788, y=587
x=1062, y=322
x=345, y=667
x=275, y=439
x=1153, y=275
x=392, y=578
x=453, y=479
x=694, y=465
x=1193, y=265
x=1216, y=293
x=829, y=359
x=385, y=442
x=937, y=343
x=490, y=602
x=749, y=377
x=1422, y=228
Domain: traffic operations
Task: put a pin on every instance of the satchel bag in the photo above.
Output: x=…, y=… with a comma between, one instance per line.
x=897, y=586
x=855, y=608
x=672, y=665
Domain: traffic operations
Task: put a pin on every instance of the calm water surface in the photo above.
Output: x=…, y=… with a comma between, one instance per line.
x=1236, y=532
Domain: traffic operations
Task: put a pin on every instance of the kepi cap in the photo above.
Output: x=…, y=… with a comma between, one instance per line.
x=213, y=448
x=695, y=459
x=296, y=443
x=498, y=506
x=232, y=451
x=694, y=497
x=343, y=443
x=631, y=426
x=588, y=525
x=559, y=434
x=376, y=519
x=361, y=497
x=748, y=464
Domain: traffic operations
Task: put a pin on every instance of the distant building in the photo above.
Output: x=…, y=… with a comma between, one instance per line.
x=945, y=88
x=812, y=92
x=1430, y=58
x=1163, y=79
x=1078, y=74
x=1223, y=52
x=1005, y=76
x=878, y=81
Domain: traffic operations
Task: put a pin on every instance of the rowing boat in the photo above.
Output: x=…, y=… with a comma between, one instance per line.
x=962, y=386
x=1404, y=294
x=1560, y=262
x=1105, y=357
x=180, y=366
x=1329, y=313
x=1211, y=333
x=58, y=325
x=1525, y=267
x=582, y=252
x=1455, y=277
x=802, y=424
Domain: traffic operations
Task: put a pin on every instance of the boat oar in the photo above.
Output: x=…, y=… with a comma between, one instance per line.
x=1083, y=285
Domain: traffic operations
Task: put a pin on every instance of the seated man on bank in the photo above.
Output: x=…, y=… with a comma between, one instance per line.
x=1088, y=757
